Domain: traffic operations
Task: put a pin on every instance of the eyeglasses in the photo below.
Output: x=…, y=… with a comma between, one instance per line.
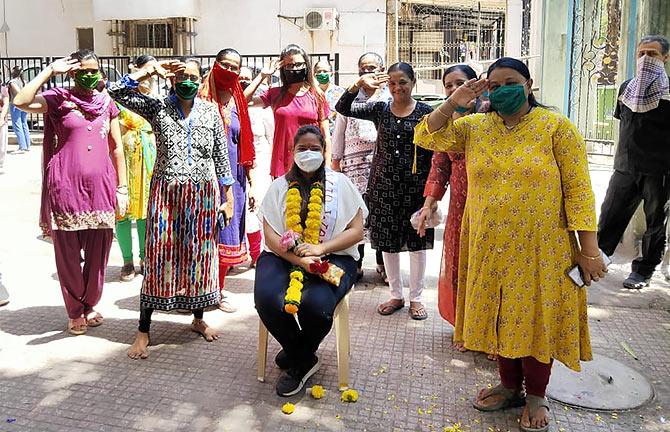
x=295, y=66
x=184, y=77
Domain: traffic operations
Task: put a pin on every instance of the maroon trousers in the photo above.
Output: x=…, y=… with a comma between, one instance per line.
x=527, y=370
x=81, y=287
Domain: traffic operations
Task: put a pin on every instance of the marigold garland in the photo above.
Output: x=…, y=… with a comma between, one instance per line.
x=350, y=395
x=310, y=234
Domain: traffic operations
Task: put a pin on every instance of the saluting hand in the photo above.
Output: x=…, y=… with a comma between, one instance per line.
x=472, y=89
x=64, y=65
x=372, y=81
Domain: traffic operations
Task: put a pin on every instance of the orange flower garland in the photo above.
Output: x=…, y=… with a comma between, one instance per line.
x=310, y=234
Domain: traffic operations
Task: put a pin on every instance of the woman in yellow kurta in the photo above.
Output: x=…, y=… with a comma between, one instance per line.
x=529, y=192
x=139, y=146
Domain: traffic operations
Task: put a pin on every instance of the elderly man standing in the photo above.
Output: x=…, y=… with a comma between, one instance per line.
x=642, y=161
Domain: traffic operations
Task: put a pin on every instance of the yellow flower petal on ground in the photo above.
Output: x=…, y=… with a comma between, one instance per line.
x=288, y=408
x=349, y=395
x=317, y=392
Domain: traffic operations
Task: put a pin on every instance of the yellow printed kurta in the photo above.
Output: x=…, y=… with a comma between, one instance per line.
x=139, y=146
x=527, y=189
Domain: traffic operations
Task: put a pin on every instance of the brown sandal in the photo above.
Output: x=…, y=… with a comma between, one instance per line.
x=94, y=321
x=417, y=311
x=391, y=306
x=77, y=326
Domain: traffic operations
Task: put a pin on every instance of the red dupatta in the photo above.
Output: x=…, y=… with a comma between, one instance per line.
x=223, y=79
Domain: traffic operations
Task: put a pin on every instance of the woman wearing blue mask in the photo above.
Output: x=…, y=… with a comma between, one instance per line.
x=529, y=201
x=326, y=210
x=192, y=163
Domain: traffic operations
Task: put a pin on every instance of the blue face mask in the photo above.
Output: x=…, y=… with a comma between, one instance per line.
x=508, y=99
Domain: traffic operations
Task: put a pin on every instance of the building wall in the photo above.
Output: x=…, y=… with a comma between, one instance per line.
x=554, y=53
x=48, y=27
x=251, y=26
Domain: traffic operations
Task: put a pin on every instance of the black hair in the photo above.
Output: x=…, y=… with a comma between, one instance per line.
x=519, y=66
x=377, y=57
x=662, y=40
x=17, y=70
x=187, y=59
x=85, y=54
x=296, y=175
x=228, y=51
x=293, y=49
x=405, y=68
x=325, y=62
x=143, y=59
x=467, y=70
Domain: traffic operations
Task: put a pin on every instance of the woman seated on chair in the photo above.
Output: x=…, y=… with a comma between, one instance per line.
x=313, y=221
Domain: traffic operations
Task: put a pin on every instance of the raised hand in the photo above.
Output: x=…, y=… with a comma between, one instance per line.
x=64, y=65
x=168, y=68
x=269, y=69
x=372, y=81
x=472, y=89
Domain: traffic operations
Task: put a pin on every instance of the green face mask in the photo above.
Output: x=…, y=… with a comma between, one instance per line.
x=508, y=99
x=87, y=80
x=186, y=89
x=323, y=77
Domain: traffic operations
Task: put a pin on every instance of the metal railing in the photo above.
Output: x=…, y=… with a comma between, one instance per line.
x=115, y=67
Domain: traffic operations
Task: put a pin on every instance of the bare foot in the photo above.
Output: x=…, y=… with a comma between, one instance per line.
x=458, y=346
x=138, y=350
x=540, y=420
x=200, y=326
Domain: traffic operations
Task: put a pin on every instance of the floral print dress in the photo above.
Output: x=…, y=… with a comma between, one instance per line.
x=528, y=189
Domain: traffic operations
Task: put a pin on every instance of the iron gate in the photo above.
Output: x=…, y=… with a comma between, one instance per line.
x=591, y=93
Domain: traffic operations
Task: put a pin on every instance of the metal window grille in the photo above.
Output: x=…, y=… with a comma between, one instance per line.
x=433, y=33
x=592, y=98
x=151, y=34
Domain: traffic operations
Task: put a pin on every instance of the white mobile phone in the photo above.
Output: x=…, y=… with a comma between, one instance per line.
x=575, y=273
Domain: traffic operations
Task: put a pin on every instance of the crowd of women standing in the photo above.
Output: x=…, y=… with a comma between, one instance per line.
x=347, y=164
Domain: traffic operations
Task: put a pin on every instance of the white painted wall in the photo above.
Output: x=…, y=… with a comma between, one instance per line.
x=48, y=27
x=252, y=27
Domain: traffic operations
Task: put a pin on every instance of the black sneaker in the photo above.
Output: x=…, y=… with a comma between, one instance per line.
x=294, y=379
x=636, y=281
x=282, y=360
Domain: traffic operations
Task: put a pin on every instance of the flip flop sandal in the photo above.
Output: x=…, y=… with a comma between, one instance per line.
x=77, y=327
x=512, y=399
x=414, y=313
x=96, y=321
x=390, y=307
x=535, y=403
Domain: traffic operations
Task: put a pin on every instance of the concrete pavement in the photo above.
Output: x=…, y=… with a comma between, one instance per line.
x=408, y=376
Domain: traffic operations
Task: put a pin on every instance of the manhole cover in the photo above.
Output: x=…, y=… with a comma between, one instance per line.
x=603, y=384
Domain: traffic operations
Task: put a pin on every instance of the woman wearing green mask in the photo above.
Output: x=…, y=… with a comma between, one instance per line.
x=181, y=261
x=82, y=185
x=323, y=74
x=529, y=201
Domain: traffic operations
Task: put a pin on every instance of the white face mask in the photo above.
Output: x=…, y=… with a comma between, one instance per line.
x=309, y=160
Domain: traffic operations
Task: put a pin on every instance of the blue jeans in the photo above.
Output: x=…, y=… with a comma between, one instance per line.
x=20, y=126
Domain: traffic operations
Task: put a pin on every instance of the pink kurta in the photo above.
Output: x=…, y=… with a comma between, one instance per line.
x=80, y=178
x=290, y=113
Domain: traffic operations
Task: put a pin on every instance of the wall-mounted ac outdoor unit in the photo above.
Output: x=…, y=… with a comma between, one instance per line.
x=320, y=19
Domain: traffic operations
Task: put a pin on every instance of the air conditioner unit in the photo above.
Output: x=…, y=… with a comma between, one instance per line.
x=320, y=19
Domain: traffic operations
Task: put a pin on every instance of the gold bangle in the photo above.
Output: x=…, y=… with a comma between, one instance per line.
x=593, y=258
x=453, y=106
x=439, y=111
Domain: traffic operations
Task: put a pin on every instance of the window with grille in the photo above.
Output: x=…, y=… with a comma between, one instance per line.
x=151, y=35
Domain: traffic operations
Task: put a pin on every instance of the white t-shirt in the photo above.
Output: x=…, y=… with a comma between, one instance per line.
x=342, y=201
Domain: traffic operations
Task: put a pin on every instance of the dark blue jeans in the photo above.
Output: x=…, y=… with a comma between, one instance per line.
x=319, y=299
